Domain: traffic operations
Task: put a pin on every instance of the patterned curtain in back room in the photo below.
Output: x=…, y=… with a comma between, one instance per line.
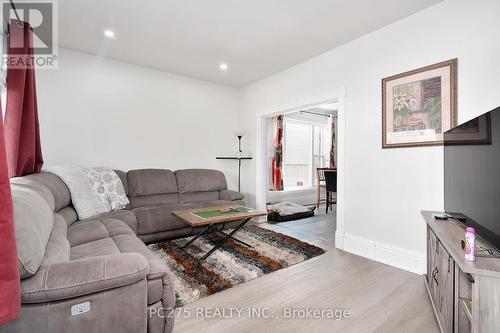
x=277, y=163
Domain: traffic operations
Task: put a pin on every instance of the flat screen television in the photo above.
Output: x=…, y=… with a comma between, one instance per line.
x=472, y=175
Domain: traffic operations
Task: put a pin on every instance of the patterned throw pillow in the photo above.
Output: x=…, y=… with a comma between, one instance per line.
x=108, y=188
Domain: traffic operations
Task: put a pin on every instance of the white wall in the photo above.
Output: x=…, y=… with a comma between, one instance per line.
x=386, y=189
x=100, y=112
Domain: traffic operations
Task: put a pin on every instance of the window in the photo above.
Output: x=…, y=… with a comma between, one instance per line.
x=320, y=150
x=298, y=143
x=304, y=151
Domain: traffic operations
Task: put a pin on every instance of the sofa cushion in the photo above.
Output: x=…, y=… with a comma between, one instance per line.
x=81, y=277
x=200, y=180
x=91, y=230
x=69, y=214
x=36, y=186
x=124, y=215
x=198, y=196
x=154, y=199
x=119, y=244
x=230, y=195
x=151, y=181
x=127, y=244
x=58, y=247
x=157, y=268
x=54, y=184
x=96, y=248
x=156, y=218
x=33, y=220
x=86, y=232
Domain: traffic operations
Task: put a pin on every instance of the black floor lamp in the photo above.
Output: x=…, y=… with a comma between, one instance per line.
x=239, y=158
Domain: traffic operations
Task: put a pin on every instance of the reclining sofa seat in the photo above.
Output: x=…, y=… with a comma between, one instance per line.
x=154, y=194
x=100, y=261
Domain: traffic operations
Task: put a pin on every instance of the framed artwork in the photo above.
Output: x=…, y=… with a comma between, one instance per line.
x=474, y=132
x=419, y=106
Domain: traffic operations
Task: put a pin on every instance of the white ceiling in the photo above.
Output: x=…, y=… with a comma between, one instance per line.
x=256, y=38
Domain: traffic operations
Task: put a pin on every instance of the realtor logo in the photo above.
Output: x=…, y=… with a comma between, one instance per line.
x=42, y=17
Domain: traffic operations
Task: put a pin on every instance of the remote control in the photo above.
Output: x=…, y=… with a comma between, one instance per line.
x=443, y=216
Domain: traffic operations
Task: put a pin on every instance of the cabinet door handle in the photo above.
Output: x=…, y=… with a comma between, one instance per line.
x=449, y=265
x=470, y=278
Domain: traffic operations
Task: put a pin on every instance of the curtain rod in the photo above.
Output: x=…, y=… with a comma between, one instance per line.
x=15, y=10
x=317, y=114
x=19, y=23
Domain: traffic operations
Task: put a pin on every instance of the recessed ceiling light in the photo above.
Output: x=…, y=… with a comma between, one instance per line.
x=223, y=67
x=109, y=33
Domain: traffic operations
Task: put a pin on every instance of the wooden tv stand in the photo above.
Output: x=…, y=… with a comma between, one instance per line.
x=456, y=285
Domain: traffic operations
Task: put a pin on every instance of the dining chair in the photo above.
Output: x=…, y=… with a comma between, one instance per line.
x=321, y=181
x=331, y=188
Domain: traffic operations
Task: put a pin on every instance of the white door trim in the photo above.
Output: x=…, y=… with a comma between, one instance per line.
x=338, y=96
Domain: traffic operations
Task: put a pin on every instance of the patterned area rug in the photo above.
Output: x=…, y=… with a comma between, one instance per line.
x=231, y=264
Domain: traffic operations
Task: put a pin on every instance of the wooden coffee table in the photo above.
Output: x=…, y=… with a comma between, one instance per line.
x=211, y=217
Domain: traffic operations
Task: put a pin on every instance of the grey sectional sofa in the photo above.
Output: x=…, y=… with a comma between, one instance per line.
x=97, y=275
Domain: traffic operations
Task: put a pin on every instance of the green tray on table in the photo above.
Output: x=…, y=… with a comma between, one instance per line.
x=206, y=214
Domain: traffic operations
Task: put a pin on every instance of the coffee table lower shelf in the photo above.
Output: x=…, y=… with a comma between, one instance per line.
x=222, y=241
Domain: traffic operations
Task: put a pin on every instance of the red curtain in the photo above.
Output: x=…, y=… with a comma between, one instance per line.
x=9, y=274
x=277, y=163
x=22, y=135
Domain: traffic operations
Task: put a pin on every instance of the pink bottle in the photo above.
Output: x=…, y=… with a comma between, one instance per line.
x=470, y=240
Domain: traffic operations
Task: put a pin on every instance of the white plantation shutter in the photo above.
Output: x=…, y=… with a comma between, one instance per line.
x=297, y=143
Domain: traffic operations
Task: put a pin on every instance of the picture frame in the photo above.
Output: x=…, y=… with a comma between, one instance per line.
x=474, y=132
x=418, y=106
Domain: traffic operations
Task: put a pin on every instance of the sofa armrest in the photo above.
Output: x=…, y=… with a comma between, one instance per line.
x=230, y=195
x=84, y=276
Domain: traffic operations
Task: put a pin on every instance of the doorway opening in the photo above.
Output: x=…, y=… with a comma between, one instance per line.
x=297, y=146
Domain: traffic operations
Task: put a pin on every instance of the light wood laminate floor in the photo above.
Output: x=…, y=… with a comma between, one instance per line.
x=380, y=298
x=318, y=230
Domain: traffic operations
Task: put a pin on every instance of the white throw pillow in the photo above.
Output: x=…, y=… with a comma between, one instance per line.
x=108, y=188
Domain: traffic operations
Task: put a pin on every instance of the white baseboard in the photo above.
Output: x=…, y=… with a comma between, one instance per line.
x=407, y=260
x=260, y=219
x=339, y=239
